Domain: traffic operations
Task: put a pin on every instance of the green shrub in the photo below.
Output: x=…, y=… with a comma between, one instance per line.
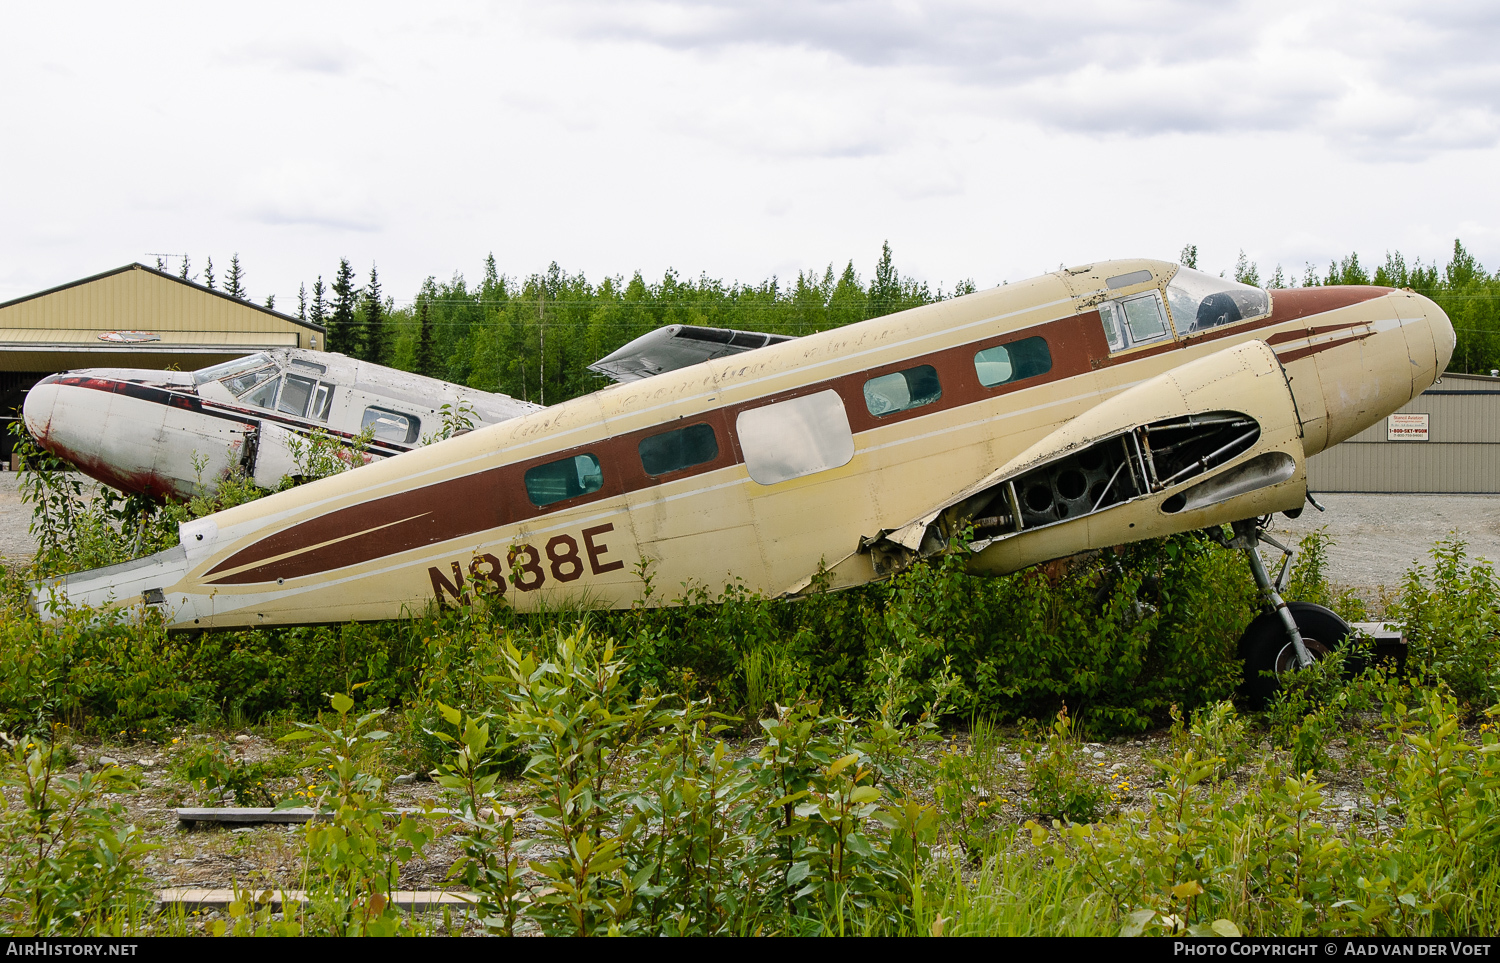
x=1060, y=785
x=71, y=862
x=1451, y=618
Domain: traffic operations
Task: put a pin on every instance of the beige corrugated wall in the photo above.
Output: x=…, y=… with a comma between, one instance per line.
x=1461, y=455
x=60, y=329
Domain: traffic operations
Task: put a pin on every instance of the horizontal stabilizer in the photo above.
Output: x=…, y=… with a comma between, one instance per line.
x=677, y=346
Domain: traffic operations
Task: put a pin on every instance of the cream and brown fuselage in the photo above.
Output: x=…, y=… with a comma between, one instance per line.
x=427, y=526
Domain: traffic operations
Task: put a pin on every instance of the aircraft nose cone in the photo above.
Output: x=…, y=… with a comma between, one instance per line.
x=1443, y=337
x=41, y=401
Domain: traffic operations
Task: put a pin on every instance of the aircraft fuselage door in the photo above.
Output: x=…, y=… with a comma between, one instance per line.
x=273, y=455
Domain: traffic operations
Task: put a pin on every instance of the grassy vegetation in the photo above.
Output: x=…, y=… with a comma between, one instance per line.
x=737, y=765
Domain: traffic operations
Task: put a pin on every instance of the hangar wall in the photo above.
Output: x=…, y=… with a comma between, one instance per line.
x=131, y=317
x=1461, y=453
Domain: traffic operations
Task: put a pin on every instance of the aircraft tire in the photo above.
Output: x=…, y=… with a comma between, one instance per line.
x=1266, y=648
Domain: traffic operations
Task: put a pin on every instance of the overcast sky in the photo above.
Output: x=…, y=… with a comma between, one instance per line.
x=987, y=140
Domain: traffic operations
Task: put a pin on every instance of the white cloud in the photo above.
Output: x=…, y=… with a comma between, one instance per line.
x=983, y=139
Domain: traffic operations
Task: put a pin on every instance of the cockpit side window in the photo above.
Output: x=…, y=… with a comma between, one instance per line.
x=239, y=384
x=264, y=396
x=295, y=394
x=1201, y=301
x=1138, y=319
x=322, y=402
x=220, y=372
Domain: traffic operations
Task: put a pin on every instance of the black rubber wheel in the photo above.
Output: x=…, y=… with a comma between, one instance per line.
x=1268, y=652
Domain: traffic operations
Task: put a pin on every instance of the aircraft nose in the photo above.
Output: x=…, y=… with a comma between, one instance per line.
x=41, y=401
x=1443, y=337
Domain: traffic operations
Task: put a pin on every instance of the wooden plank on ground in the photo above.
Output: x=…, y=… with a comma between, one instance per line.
x=245, y=815
x=412, y=900
x=257, y=815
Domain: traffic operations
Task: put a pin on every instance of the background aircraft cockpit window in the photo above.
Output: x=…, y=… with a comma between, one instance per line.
x=391, y=425
x=674, y=450
x=219, y=372
x=1201, y=301
x=1134, y=320
x=565, y=478
x=295, y=393
x=902, y=390
x=796, y=437
x=1016, y=361
x=265, y=395
x=242, y=382
x=322, y=402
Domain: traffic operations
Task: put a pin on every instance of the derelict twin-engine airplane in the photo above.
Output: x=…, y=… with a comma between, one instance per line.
x=175, y=434
x=1083, y=409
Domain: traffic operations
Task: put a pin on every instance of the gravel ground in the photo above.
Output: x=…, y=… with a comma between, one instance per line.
x=1377, y=538
x=262, y=857
x=16, y=543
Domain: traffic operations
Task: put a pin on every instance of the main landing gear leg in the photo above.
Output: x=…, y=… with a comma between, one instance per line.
x=1248, y=535
x=1287, y=636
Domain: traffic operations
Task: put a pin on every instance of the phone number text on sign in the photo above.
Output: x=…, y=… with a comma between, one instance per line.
x=1407, y=427
x=563, y=558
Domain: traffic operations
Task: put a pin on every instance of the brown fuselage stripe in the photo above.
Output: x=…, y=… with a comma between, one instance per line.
x=496, y=497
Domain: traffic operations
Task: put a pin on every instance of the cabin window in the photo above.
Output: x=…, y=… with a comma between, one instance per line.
x=1201, y=301
x=311, y=365
x=793, y=438
x=1134, y=320
x=265, y=395
x=675, y=450
x=322, y=402
x=1016, y=361
x=295, y=394
x=391, y=425
x=564, y=478
x=902, y=390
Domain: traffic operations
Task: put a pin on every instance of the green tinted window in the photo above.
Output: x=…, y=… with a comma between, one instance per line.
x=1016, y=361
x=902, y=390
x=674, y=450
x=565, y=478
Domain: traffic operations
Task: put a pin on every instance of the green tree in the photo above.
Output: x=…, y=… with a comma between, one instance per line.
x=318, y=313
x=1246, y=271
x=1188, y=258
x=1347, y=271
x=341, y=333
x=426, y=360
x=208, y=274
x=234, y=281
x=885, y=288
x=374, y=340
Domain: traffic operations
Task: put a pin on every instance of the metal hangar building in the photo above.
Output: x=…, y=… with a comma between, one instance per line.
x=132, y=317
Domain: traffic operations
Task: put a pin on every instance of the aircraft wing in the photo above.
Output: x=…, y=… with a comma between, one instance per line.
x=677, y=346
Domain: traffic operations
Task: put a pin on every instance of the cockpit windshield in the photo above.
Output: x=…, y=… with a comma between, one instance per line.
x=220, y=371
x=1201, y=301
